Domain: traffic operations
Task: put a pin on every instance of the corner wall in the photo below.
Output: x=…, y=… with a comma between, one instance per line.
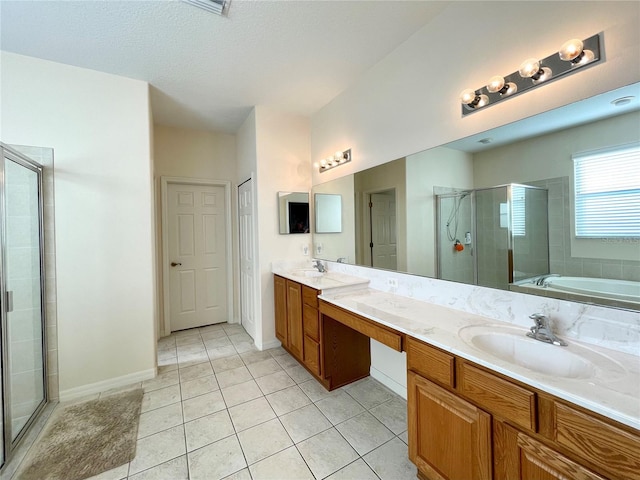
x=99, y=127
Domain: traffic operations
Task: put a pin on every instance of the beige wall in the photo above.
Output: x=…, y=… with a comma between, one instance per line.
x=283, y=164
x=195, y=154
x=273, y=149
x=99, y=128
x=408, y=102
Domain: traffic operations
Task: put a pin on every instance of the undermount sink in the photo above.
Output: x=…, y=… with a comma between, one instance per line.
x=512, y=345
x=307, y=272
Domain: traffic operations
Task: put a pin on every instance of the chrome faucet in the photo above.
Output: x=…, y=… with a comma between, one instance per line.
x=542, y=279
x=542, y=330
x=342, y=259
x=318, y=264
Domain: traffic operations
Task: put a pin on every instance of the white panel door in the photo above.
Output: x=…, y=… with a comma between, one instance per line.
x=197, y=253
x=383, y=230
x=247, y=257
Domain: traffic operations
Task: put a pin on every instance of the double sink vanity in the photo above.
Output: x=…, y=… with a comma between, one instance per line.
x=484, y=400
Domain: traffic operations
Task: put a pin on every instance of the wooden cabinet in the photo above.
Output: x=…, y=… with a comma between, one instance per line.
x=280, y=294
x=475, y=423
x=311, y=330
x=297, y=322
x=519, y=456
x=288, y=315
x=295, y=339
x=449, y=438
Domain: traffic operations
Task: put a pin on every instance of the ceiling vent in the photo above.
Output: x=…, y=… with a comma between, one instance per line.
x=213, y=6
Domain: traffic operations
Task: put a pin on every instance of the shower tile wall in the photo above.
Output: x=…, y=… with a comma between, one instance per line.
x=455, y=266
x=530, y=252
x=23, y=279
x=492, y=240
x=44, y=156
x=560, y=258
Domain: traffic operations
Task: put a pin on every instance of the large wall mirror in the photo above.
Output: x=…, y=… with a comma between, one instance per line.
x=498, y=209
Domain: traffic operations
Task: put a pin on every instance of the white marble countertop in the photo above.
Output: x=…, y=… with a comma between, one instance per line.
x=613, y=390
x=326, y=282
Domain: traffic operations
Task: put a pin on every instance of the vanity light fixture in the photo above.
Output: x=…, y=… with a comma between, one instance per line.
x=532, y=73
x=337, y=159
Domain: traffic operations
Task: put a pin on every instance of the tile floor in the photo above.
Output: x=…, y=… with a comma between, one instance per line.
x=220, y=409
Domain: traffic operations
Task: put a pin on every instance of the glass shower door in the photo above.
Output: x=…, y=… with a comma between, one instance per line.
x=23, y=345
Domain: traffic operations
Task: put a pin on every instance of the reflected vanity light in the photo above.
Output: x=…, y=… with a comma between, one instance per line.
x=337, y=159
x=533, y=72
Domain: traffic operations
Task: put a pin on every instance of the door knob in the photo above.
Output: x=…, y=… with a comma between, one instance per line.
x=174, y=264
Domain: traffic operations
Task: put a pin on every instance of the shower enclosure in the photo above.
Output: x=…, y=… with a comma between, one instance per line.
x=494, y=236
x=22, y=343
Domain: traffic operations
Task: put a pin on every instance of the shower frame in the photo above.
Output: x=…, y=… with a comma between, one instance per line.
x=10, y=443
x=474, y=219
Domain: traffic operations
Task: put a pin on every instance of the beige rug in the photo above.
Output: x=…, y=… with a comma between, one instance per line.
x=86, y=439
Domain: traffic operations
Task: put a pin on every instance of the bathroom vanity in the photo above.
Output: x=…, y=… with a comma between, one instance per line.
x=572, y=413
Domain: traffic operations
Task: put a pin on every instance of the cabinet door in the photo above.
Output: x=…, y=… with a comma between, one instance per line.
x=519, y=457
x=294, y=319
x=280, y=296
x=312, y=355
x=449, y=439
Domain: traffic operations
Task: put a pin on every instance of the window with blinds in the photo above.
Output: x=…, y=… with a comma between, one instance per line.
x=607, y=192
x=518, y=213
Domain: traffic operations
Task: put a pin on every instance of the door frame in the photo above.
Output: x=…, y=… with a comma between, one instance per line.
x=365, y=223
x=165, y=181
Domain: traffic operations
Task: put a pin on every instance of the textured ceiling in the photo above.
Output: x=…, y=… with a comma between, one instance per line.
x=208, y=71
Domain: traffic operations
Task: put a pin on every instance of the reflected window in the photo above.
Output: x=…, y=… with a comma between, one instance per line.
x=607, y=193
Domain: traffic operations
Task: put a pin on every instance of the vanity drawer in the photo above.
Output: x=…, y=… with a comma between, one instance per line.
x=498, y=396
x=369, y=328
x=310, y=296
x=610, y=448
x=310, y=322
x=431, y=362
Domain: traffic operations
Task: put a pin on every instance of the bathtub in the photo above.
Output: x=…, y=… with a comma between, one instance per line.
x=624, y=290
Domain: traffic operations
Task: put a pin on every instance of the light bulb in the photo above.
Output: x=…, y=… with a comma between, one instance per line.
x=571, y=49
x=468, y=96
x=511, y=88
x=542, y=77
x=529, y=68
x=338, y=156
x=495, y=84
x=587, y=56
x=483, y=101
x=323, y=163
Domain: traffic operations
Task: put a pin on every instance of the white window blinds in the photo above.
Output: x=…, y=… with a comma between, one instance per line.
x=607, y=192
x=518, y=205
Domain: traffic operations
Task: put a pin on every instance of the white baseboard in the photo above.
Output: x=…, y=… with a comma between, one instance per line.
x=93, y=388
x=389, y=382
x=269, y=345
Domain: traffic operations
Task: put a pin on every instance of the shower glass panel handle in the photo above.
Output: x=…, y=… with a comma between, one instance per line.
x=23, y=345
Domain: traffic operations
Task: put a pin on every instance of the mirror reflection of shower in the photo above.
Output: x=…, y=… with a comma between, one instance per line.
x=453, y=223
x=493, y=236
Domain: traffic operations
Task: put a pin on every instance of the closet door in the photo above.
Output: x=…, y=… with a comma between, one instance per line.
x=23, y=345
